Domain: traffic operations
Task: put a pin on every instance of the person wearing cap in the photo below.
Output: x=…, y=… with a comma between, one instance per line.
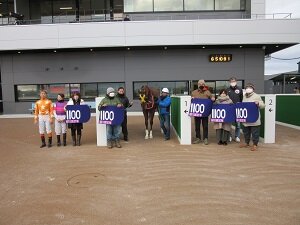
x=252, y=129
x=76, y=127
x=112, y=131
x=235, y=93
x=60, y=119
x=126, y=104
x=204, y=93
x=164, y=103
x=43, y=113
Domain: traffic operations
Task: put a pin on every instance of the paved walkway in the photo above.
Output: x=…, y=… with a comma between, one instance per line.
x=147, y=181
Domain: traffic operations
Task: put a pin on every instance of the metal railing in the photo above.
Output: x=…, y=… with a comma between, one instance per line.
x=102, y=15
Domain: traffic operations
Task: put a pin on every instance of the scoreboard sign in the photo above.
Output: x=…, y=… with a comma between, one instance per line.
x=220, y=58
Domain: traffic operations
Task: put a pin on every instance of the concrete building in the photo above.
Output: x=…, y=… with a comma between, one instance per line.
x=66, y=46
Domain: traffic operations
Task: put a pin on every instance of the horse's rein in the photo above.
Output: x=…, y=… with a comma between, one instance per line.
x=147, y=103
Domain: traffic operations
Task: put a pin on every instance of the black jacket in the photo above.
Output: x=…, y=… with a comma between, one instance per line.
x=124, y=100
x=235, y=94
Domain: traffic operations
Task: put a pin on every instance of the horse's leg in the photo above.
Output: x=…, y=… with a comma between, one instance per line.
x=151, y=115
x=145, y=112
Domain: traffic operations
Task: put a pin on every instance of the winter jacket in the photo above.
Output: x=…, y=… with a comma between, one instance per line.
x=109, y=101
x=125, y=101
x=164, y=103
x=205, y=93
x=253, y=97
x=223, y=100
x=235, y=94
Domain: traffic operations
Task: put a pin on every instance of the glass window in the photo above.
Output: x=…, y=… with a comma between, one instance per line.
x=88, y=91
x=138, y=5
x=102, y=87
x=64, y=11
x=175, y=87
x=190, y=5
x=168, y=5
x=74, y=88
x=55, y=89
x=227, y=4
x=27, y=92
x=225, y=84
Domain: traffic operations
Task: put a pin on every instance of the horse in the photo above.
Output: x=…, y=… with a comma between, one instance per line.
x=148, y=97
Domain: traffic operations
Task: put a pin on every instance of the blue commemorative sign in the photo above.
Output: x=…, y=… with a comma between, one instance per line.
x=200, y=107
x=223, y=113
x=78, y=113
x=246, y=112
x=111, y=115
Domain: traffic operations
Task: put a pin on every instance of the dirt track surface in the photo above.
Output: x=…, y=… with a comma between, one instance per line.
x=151, y=182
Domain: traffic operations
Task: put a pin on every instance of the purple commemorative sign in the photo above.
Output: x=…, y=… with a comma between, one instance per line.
x=223, y=113
x=78, y=113
x=111, y=115
x=200, y=107
x=246, y=112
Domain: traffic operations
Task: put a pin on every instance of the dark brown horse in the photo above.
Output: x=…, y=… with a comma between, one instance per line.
x=148, y=96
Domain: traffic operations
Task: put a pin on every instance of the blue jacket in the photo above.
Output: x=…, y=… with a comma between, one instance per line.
x=164, y=105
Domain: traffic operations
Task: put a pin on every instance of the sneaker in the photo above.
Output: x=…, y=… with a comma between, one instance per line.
x=225, y=143
x=205, y=141
x=220, y=143
x=237, y=139
x=197, y=141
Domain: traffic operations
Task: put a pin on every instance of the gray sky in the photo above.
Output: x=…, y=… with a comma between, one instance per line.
x=274, y=66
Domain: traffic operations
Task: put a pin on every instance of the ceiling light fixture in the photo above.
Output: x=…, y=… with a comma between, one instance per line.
x=66, y=8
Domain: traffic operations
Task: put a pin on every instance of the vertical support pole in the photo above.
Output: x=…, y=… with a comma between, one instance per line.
x=15, y=6
x=100, y=128
x=270, y=117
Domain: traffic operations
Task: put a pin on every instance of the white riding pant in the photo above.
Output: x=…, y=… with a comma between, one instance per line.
x=44, y=122
x=60, y=127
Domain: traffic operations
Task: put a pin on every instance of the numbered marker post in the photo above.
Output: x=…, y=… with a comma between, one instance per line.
x=180, y=119
x=270, y=114
x=100, y=128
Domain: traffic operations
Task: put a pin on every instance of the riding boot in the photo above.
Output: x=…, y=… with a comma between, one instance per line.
x=74, y=140
x=150, y=134
x=78, y=139
x=49, y=142
x=58, y=140
x=146, y=134
x=64, y=139
x=43, y=142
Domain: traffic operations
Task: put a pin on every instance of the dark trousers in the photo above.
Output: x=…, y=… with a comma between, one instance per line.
x=124, y=126
x=73, y=131
x=204, y=125
x=222, y=135
x=251, y=130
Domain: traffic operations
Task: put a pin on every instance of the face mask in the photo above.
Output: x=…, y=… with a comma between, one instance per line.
x=111, y=94
x=233, y=84
x=249, y=90
x=223, y=95
x=76, y=98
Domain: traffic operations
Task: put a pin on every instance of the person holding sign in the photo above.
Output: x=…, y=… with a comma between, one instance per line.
x=222, y=128
x=235, y=93
x=60, y=119
x=112, y=131
x=126, y=104
x=43, y=112
x=252, y=129
x=164, y=103
x=203, y=93
x=76, y=100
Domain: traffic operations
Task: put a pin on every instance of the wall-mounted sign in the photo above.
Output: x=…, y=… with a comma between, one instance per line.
x=220, y=57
